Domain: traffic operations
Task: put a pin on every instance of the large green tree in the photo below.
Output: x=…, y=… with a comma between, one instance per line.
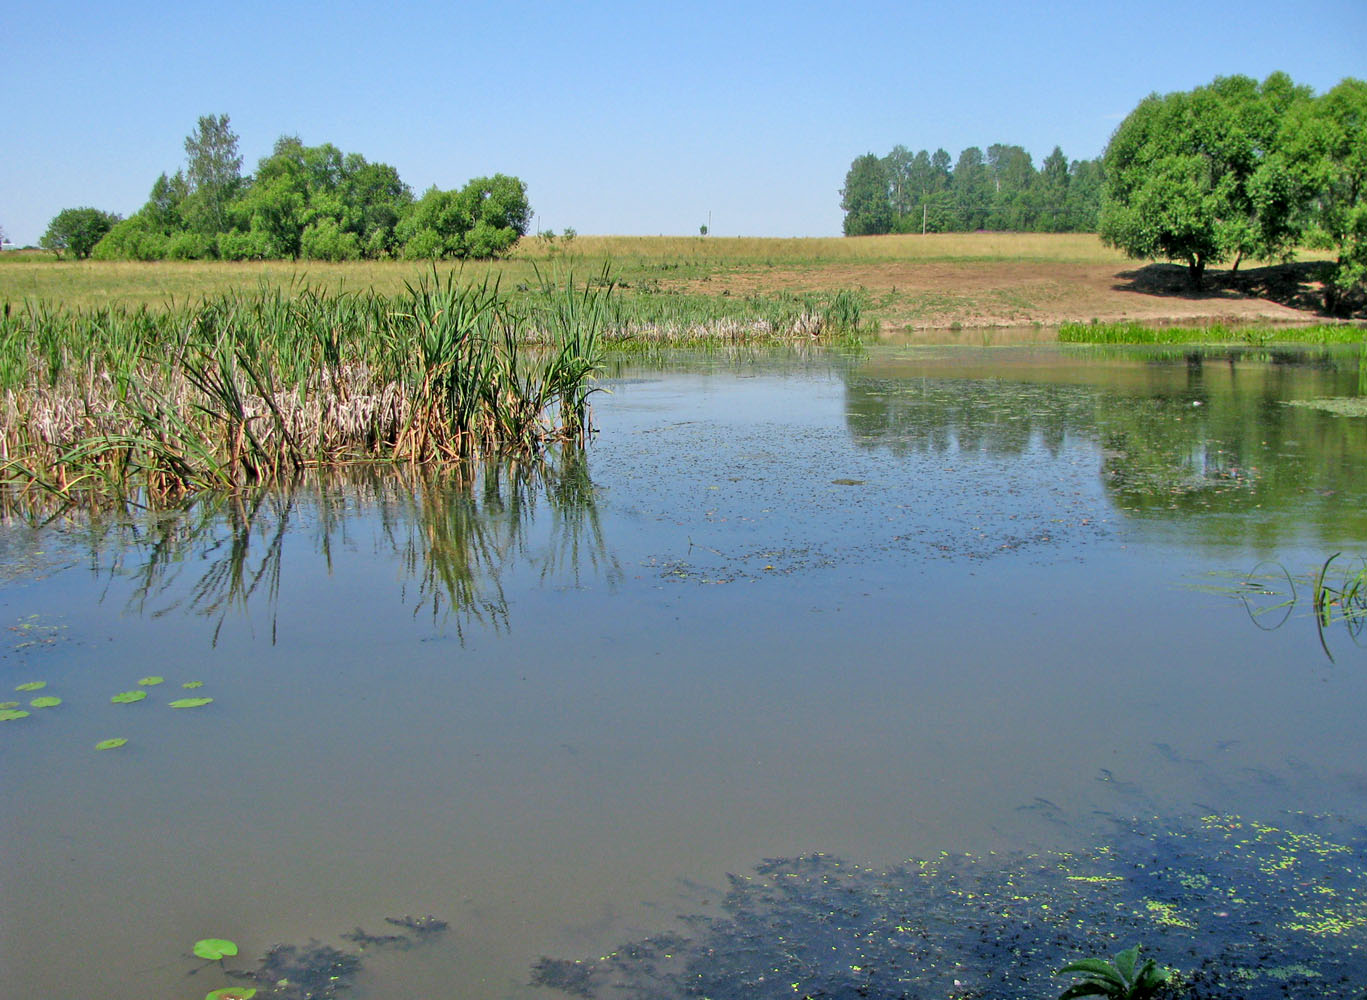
x=318, y=202
x=865, y=197
x=77, y=231
x=483, y=219
x=1191, y=176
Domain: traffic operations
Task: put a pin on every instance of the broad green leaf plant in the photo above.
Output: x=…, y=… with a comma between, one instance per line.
x=1118, y=979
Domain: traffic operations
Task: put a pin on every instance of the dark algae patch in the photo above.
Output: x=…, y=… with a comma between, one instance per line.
x=316, y=971
x=1241, y=909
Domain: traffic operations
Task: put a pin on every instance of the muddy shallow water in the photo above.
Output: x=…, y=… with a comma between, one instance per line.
x=923, y=600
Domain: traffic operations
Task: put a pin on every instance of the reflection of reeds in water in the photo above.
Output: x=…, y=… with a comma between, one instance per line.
x=242, y=390
x=455, y=532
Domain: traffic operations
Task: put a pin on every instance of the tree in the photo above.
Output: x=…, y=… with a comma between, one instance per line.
x=1012, y=175
x=77, y=230
x=483, y=219
x=214, y=171
x=972, y=189
x=1051, y=193
x=865, y=197
x=1192, y=176
x=1325, y=150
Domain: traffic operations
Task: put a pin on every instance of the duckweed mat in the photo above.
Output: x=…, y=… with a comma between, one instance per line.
x=1243, y=910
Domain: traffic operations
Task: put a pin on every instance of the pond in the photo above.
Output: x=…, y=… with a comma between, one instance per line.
x=676, y=713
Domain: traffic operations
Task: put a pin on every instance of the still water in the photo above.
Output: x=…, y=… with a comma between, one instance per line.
x=922, y=600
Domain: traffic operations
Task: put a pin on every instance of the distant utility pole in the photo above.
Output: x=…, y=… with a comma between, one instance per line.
x=923, y=218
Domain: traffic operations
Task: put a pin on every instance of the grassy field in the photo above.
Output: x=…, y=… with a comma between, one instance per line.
x=905, y=283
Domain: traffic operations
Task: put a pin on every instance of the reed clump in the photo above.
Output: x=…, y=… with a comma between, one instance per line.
x=243, y=389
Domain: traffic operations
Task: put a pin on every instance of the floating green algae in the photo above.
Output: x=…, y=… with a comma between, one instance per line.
x=1245, y=910
x=1344, y=406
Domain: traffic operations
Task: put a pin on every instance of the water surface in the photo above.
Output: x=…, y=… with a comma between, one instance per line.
x=951, y=599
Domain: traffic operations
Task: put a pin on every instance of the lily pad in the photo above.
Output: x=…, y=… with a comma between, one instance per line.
x=151, y=681
x=47, y=701
x=9, y=704
x=232, y=993
x=10, y=714
x=128, y=697
x=32, y=686
x=189, y=702
x=191, y=685
x=214, y=949
x=111, y=744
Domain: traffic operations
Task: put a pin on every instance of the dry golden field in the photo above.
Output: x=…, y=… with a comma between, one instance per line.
x=911, y=283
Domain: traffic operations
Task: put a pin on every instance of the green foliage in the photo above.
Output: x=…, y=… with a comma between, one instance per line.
x=77, y=231
x=482, y=220
x=214, y=174
x=128, y=697
x=11, y=714
x=231, y=993
x=325, y=240
x=113, y=743
x=190, y=245
x=1115, y=980
x=314, y=202
x=132, y=239
x=1142, y=333
x=46, y=701
x=1237, y=169
x=189, y=702
x=237, y=245
x=864, y=198
x=1325, y=151
x=999, y=190
x=215, y=949
x=31, y=686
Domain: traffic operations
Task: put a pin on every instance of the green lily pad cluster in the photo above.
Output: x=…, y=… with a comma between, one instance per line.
x=11, y=711
x=140, y=693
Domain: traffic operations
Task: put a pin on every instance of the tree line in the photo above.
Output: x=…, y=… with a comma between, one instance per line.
x=303, y=201
x=907, y=192
x=1239, y=169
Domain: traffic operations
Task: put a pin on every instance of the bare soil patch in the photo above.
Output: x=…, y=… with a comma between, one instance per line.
x=921, y=294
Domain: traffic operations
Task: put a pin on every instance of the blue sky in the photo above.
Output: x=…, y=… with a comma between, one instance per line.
x=621, y=117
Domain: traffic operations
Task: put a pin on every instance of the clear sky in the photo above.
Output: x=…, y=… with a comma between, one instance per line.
x=630, y=118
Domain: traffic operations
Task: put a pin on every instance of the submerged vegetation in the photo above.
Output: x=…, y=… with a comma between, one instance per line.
x=1246, y=910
